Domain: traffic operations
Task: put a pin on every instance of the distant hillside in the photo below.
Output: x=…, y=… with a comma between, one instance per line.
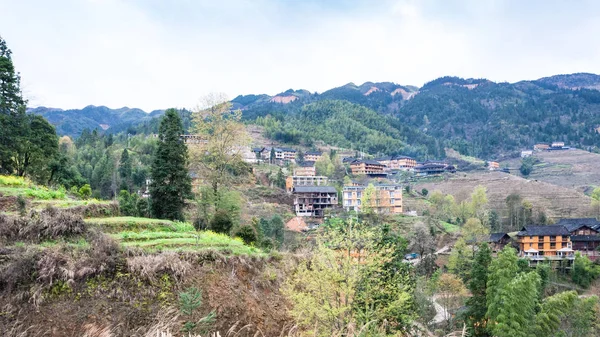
x=476, y=117
x=72, y=122
x=573, y=81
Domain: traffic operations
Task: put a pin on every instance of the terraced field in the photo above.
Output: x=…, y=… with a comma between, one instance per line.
x=162, y=235
x=557, y=201
x=576, y=169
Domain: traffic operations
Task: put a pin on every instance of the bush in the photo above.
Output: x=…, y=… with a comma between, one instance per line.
x=248, y=234
x=424, y=192
x=85, y=191
x=13, y=181
x=221, y=222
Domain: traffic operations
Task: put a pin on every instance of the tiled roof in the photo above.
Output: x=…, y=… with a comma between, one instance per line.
x=575, y=224
x=495, y=237
x=314, y=153
x=367, y=161
x=307, y=164
x=315, y=189
x=543, y=230
x=402, y=157
x=585, y=238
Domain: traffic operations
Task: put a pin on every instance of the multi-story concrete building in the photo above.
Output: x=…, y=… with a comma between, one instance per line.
x=306, y=168
x=314, y=200
x=541, y=242
x=293, y=181
x=387, y=199
x=367, y=167
x=312, y=155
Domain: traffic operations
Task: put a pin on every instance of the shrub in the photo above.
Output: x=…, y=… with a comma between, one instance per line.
x=424, y=192
x=221, y=222
x=22, y=205
x=13, y=181
x=247, y=233
x=85, y=191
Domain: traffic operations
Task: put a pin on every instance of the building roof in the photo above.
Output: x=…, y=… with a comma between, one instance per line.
x=315, y=189
x=430, y=166
x=314, y=153
x=367, y=161
x=296, y=224
x=496, y=237
x=383, y=158
x=576, y=223
x=258, y=149
x=543, y=230
x=307, y=164
x=585, y=238
x=402, y=157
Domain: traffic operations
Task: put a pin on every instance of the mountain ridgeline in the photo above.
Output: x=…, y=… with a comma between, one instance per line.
x=477, y=117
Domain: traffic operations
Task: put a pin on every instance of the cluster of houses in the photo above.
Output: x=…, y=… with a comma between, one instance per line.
x=284, y=154
x=554, y=146
x=382, y=167
x=556, y=242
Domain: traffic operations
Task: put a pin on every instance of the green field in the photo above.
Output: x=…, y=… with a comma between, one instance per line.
x=160, y=235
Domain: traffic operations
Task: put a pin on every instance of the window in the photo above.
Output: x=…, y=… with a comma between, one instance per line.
x=359, y=195
x=565, y=238
x=553, y=238
x=553, y=245
x=392, y=195
x=540, y=246
x=540, y=238
x=393, y=201
x=359, y=202
x=531, y=238
x=347, y=202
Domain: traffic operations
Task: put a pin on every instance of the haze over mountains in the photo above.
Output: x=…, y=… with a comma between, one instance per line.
x=475, y=116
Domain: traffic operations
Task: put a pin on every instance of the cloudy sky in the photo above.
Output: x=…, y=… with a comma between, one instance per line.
x=154, y=54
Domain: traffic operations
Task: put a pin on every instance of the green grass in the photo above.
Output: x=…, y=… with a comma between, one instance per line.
x=134, y=224
x=13, y=181
x=34, y=192
x=187, y=241
x=450, y=228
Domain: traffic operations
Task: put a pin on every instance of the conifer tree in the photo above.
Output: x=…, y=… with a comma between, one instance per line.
x=125, y=168
x=171, y=184
x=477, y=304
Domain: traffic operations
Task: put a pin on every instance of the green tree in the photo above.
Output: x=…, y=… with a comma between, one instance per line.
x=85, y=191
x=595, y=203
x=512, y=297
x=367, y=200
x=220, y=158
x=128, y=203
x=125, y=168
x=247, y=233
x=171, y=184
x=584, y=271
x=221, y=222
x=479, y=203
x=477, y=303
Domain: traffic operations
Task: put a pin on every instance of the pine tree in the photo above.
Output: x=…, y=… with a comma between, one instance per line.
x=125, y=168
x=28, y=143
x=171, y=184
x=477, y=304
x=12, y=105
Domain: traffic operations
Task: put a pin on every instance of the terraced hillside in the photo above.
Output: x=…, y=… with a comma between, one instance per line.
x=573, y=168
x=557, y=201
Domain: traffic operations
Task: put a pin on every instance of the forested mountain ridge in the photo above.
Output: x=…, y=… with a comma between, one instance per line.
x=477, y=117
x=72, y=122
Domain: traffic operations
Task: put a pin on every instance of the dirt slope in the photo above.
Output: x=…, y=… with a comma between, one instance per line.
x=558, y=201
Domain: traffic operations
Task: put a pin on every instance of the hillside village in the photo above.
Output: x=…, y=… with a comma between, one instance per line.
x=361, y=211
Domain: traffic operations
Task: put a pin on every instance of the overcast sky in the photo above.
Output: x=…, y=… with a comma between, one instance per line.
x=154, y=54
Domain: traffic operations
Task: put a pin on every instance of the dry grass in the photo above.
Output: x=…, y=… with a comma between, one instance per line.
x=48, y=224
x=149, y=267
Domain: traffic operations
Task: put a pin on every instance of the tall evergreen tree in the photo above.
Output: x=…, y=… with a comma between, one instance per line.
x=125, y=168
x=12, y=105
x=171, y=184
x=28, y=143
x=477, y=304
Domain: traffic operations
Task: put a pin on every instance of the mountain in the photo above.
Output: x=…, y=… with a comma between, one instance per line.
x=72, y=122
x=476, y=117
x=573, y=81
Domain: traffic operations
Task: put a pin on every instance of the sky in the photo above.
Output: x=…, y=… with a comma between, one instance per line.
x=156, y=54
